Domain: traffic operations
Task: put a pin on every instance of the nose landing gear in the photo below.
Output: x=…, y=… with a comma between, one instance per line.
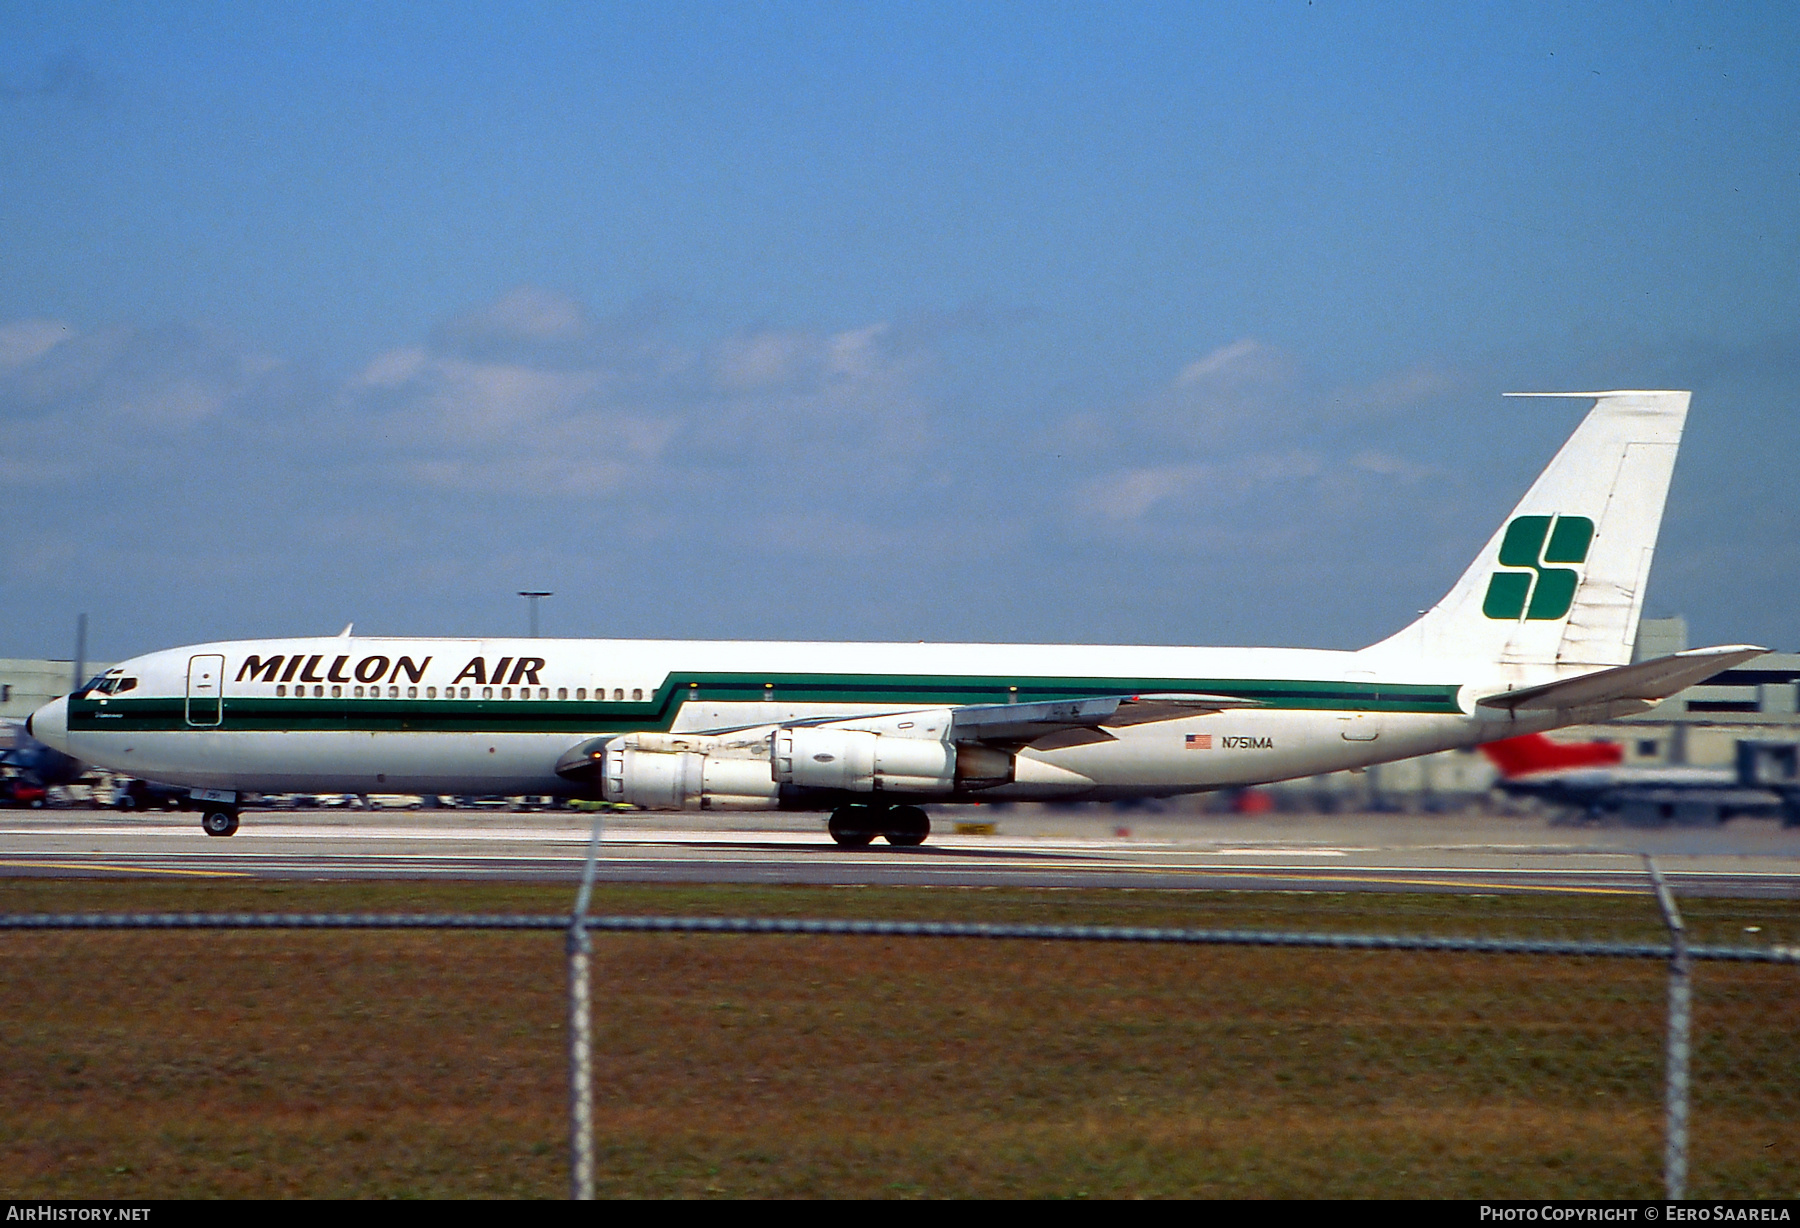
x=219, y=822
x=856, y=826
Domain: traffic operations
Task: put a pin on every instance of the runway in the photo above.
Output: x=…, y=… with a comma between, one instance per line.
x=1029, y=847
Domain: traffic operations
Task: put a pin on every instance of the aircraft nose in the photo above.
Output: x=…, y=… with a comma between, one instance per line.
x=50, y=724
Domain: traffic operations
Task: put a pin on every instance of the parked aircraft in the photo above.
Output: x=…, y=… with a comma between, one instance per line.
x=1588, y=777
x=1536, y=634
x=29, y=769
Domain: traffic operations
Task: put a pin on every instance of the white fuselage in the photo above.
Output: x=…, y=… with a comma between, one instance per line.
x=360, y=715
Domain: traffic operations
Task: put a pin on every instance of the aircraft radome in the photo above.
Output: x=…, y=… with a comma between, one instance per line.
x=1536, y=634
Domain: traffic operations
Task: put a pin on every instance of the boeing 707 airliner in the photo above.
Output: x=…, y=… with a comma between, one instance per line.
x=1537, y=634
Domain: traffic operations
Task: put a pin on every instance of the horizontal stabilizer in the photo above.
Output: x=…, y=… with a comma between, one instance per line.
x=1647, y=680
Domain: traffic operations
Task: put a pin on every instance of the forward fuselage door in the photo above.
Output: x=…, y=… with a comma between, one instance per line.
x=205, y=690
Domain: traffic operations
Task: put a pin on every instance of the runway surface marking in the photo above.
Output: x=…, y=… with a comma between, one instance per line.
x=659, y=836
x=1328, y=856
x=1515, y=878
x=1477, y=878
x=96, y=865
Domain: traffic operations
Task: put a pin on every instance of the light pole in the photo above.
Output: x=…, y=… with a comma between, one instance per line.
x=533, y=599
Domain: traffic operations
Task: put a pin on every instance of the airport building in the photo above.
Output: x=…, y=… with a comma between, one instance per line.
x=26, y=686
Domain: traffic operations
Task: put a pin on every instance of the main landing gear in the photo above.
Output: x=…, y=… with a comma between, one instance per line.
x=857, y=826
x=219, y=822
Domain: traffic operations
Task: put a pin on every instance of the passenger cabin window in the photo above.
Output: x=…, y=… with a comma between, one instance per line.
x=637, y=693
x=580, y=692
x=618, y=694
x=562, y=692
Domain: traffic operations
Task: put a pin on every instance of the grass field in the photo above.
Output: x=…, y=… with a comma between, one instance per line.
x=369, y=1064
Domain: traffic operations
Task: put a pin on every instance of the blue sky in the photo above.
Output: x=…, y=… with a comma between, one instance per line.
x=1002, y=322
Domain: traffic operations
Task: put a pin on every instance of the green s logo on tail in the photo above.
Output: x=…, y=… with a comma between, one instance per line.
x=1536, y=592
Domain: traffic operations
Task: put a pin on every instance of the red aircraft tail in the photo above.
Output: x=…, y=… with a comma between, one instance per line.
x=1533, y=752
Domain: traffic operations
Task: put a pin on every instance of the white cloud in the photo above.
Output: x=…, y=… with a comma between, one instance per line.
x=624, y=409
x=175, y=402
x=583, y=474
x=530, y=314
x=479, y=400
x=139, y=393
x=24, y=340
x=782, y=416
x=1131, y=495
x=1387, y=465
x=394, y=368
x=1238, y=396
x=1399, y=390
x=1244, y=359
x=763, y=360
x=856, y=354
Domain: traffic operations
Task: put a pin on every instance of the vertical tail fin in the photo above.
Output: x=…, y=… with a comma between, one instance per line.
x=1561, y=583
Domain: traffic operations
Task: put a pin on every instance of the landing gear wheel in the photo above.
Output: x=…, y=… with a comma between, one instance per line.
x=906, y=826
x=851, y=827
x=219, y=823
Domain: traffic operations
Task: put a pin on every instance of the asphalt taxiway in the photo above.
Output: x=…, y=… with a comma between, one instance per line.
x=1027, y=847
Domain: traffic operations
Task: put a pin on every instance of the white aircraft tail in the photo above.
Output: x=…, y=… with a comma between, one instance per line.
x=1561, y=583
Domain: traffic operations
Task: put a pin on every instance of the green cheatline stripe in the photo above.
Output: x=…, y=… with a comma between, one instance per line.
x=660, y=710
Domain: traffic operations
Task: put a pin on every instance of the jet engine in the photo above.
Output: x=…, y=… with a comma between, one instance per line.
x=751, y=769
x=660, y=771
x=861, y=761
x=657, y=780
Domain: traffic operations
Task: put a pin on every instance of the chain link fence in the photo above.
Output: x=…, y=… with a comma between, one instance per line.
x=719, y=1055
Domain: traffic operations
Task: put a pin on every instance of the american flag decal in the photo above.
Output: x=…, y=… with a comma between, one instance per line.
x=1199, y=741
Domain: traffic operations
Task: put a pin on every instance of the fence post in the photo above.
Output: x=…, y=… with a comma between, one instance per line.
x=1678, y=1051
x=581, y=1047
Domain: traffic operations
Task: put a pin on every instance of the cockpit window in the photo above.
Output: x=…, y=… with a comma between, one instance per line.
x=109, y=683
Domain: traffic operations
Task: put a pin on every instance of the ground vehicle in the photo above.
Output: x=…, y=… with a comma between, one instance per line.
x=147, y=795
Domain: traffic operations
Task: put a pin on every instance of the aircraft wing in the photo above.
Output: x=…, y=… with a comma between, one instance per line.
x=1087, y=719
x=1652, y=680
x=1045, y=725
